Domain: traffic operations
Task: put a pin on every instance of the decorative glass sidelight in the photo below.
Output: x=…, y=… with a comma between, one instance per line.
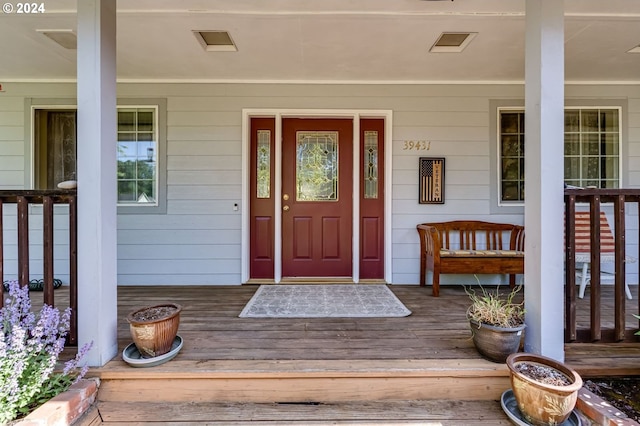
x=317, y=166
x=370, y=164
x=263, y=164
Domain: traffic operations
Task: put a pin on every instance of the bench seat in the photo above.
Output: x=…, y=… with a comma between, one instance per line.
x=470, y=247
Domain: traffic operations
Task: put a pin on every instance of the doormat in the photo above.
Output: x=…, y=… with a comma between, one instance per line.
x=324, y=301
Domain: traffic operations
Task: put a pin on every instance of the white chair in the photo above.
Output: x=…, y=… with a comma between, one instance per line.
x=607, y=251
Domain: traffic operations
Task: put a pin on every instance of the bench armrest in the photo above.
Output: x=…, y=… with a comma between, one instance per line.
x=430, y=243
x=516, y=242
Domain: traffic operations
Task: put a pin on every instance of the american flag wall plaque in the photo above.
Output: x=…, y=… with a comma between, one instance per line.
x=431, y=177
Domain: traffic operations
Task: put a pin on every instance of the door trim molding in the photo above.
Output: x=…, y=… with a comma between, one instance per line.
x=279, y=115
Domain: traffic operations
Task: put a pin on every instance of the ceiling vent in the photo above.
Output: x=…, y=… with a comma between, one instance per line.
x=65, y=38
x=452, y=42
x=216, y=41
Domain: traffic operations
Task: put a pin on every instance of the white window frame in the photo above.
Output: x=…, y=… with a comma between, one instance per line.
x=501, y=109
x=157, y=145
x=160, y=104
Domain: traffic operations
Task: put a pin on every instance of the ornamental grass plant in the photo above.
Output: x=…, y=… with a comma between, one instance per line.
x=493, y=308
x=30, y=345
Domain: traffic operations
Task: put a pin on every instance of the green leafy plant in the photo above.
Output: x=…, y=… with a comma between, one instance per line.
x=30, y=344
x=493, y=308
x=637, y=332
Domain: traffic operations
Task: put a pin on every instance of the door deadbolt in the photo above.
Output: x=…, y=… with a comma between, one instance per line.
x=285, y=197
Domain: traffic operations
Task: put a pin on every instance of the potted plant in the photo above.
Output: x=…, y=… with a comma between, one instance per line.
x=154, y=328
x=496, y=322
x=546, y=390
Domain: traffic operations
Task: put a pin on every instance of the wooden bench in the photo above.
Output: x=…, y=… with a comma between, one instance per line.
x=470, y=247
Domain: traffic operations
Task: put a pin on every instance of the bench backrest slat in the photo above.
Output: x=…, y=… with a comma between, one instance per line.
x=471, y=234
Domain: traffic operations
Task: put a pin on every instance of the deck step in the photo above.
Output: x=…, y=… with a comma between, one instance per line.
x=432, y=412
x=305, y=381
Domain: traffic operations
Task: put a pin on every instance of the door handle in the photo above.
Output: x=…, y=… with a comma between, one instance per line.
x=285, y=208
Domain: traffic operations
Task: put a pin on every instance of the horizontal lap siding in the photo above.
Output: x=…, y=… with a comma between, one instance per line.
x=198, y=240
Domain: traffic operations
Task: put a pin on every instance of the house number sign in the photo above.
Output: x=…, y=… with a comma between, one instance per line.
x=416, y=146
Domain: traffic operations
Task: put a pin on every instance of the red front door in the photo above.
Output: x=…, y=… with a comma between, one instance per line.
x=317, y=197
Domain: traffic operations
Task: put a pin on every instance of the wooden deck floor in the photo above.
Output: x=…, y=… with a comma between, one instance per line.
x=436, y=329
x=420, y=353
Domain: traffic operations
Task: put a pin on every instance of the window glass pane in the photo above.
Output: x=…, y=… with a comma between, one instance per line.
x=572, y=168
x=126, y=170
x=572, y=144
x=126, y=120
x=590, y=144
x=510, y=169
x=589, y=120
x=609, y=120
x=510, y=191
x=371, y=164
x=317, y=166
x=510, y=122
x=126, y=190
x=611, y=171
x=611, y=144
x=146, y=191
x=572, y=121
x=263, y=164
x=510, y=146
x=591, y=169
x=145, y=120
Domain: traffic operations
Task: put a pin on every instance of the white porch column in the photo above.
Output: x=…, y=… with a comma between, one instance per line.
x=544, y=176
x=97, y=290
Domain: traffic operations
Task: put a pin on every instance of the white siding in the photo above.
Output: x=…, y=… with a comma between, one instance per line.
x=198, y=240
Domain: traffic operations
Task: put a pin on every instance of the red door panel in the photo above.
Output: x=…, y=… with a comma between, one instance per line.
x=372, y=199
x=317, y=229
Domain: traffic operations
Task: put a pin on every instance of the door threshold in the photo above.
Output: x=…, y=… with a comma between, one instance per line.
x=317, y=280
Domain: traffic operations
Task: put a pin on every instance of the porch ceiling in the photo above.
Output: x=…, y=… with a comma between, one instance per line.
x=328, y=40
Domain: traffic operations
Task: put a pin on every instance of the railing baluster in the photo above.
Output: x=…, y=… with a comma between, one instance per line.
x=47, y=249
x=620, y=272
x=23, y=241
x=596, y=332
x=73, y=269
x=570, y=268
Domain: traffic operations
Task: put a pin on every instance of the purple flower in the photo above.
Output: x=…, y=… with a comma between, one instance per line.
x=30, y=344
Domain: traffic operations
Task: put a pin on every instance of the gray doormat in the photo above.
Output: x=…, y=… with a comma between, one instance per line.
x=324, y=301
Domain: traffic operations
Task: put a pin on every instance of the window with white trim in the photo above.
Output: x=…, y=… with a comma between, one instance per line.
x=138, y=148
x=137, y=151
x=592, y=138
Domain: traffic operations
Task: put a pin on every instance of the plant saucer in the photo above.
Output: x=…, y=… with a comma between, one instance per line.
x=510, y=406
x=132, y=356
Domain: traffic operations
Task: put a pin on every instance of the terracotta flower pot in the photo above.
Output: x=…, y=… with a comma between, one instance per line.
x=495, y=343
x=541, y=403
x=154, y=328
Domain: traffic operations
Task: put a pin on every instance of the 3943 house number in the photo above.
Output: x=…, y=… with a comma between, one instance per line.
x=416, y=145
